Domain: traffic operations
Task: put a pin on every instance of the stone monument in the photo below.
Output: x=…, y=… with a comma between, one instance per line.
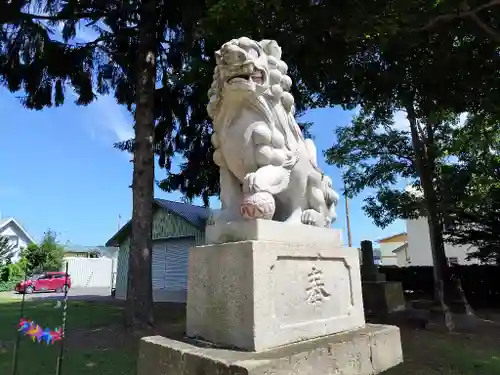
x=380, y=297
x=273, y=291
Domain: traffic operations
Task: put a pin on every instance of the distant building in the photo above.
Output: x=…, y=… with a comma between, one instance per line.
x=177, y=226
x=389, y=245
x=79, y=251
x=418, y=250
x=18, y=237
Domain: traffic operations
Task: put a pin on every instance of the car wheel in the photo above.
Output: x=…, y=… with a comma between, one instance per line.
x=59, y=290
x=29, y=290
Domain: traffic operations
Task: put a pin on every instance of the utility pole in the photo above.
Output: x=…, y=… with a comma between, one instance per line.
x=347, y=219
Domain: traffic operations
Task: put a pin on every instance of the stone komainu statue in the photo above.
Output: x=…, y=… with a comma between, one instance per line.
x=267, y=168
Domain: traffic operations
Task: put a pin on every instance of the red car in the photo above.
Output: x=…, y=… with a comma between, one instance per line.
x=48, y=281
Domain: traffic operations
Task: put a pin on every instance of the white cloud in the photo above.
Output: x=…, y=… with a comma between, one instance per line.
x=108, y=121
x=113, y=118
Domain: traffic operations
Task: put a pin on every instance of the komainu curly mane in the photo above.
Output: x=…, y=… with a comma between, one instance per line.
x=268, y=170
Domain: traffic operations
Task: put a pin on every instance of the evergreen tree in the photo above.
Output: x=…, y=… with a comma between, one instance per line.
x=6, y=250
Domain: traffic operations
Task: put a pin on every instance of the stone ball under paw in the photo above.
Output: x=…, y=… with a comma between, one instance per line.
x=259, y=205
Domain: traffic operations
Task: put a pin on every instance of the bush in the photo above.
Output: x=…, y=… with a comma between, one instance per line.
x=16, y=270
x=8, y=286
x=481, y=283
x=4, y=273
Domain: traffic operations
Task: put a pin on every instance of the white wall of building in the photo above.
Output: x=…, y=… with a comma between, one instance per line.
x=387, y=257
x=419, y=246
x=90, y=272
x=403, y=258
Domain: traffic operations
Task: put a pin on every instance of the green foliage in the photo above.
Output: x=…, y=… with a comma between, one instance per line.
x=381, y=55
x=8, y=286
x=10, y=275
x=350, y=55
x=33, y=60
x=46, y=256
x=476, y=222
x=12, y=272
x=17, y=270
x=473, y=189
x=4, y=273
x=375, y=153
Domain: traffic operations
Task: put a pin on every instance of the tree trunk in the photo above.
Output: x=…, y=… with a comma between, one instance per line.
x=425, y=168
x=139, y=304
x=443, y=286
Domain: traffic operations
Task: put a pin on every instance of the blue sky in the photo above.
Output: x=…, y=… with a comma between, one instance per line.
x=60, y=170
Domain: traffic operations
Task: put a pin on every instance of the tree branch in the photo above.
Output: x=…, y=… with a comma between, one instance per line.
x=464, y=11
x=487, y=29
x=60, y=17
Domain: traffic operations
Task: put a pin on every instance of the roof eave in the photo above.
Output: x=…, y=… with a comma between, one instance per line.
x=13, y=220
x=114, y=241
x=403, y=246
x=393, y=236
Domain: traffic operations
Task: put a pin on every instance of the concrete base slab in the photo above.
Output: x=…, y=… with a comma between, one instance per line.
x=365, y=351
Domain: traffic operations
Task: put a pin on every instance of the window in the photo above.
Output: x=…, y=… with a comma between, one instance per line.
x=453, y=261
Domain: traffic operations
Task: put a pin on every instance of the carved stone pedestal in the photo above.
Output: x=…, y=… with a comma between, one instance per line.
x=258, y=295
x=274, y=307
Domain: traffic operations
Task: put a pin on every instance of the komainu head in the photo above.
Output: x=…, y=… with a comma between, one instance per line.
x=246, y=67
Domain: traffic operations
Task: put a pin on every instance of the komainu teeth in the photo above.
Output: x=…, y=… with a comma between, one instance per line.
x=256, y=76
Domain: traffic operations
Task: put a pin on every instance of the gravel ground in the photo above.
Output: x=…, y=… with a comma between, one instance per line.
x=84, y=294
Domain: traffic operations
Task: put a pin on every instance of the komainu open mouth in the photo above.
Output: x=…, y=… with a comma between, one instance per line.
x=257, y=77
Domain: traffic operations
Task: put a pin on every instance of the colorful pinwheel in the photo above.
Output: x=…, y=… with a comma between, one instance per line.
x=33, y=330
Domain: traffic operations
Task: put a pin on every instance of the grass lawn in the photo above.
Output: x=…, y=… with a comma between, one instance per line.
x=431, y=352
x=97, y=345
x=92, y=347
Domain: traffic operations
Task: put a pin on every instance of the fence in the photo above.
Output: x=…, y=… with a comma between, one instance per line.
x=481, y=283
x=91, y=272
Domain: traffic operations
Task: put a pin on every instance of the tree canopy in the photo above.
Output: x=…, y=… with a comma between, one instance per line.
x=45, y=256
x=347, y=56
x=379, y=55
x=472, y=198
